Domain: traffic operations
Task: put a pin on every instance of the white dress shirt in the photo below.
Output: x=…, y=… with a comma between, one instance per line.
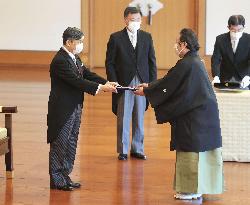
x=132, y=37
x=70, y=54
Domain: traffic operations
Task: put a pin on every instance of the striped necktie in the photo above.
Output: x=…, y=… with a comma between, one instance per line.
x=133, y=40
x=234, y=45
x=74, y=59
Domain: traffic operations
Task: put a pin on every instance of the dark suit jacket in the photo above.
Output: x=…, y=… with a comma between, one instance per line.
x=185, y=98
x=225, y=63
x=68, y=84
x=123, y=61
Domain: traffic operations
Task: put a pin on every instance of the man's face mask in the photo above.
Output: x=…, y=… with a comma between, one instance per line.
x=177, y=52
x=134, y=26
x=236, y=35
x=78, y=49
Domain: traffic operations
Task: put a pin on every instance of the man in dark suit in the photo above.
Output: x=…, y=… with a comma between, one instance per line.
x=130, y=60
x=231, y=56
x=70, y=79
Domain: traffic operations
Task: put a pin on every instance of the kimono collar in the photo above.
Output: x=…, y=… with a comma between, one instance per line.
x=191, y=53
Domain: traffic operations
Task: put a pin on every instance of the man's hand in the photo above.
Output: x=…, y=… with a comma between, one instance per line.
x=140, y=89
x=113, y=83
x=109, y=87
x=144, y=85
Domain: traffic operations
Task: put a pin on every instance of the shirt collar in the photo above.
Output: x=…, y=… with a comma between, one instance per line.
x=130, y=33
x=70, y=54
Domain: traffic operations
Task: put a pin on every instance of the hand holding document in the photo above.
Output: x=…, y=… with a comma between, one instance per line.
x=113, y=83
x=122, y=88
x=109, y=87
x=139, y=90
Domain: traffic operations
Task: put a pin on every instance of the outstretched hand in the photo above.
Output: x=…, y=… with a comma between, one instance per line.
x=109, y=87
x=140, y=89
x=113, y=83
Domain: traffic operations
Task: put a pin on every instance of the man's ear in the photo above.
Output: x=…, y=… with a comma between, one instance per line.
x=67, y=43
x=126, y=21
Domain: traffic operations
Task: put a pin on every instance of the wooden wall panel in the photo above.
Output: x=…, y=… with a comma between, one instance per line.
x=108, y=18
x=100, y=19
x=43, y=58
x=201, y=24
x=26, y=58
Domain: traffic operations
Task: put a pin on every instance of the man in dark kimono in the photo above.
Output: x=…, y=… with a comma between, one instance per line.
x=70, y=79
x=185, y=99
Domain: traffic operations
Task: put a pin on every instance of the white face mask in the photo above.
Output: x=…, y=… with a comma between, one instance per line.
x=134, y=26
x=177, y=52
x=236, y=35
x=79, y=48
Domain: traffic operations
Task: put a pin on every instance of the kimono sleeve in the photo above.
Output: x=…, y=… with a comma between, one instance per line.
x=176, y=93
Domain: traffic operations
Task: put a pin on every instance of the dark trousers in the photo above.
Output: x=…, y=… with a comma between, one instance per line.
x=63, y=150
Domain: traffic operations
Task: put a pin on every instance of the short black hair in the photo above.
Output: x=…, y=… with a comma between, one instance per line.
x=236, y=20
x=188, y=36
x=72, y=33
x=131, y=10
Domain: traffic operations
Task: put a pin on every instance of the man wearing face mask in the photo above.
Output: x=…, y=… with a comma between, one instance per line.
x=130, y=60
x=231, y=56
x=70, y=79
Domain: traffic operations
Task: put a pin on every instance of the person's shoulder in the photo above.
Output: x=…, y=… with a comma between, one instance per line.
x=117, y=33
x=222, y=36
x=191, y=59
x=59, y=57
x=145, y=33
x=246, y=35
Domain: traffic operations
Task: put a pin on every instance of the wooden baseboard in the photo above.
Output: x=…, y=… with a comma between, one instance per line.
x=38, y=59
x=42, y=58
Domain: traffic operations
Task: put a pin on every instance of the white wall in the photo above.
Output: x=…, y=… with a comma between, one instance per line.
x=36, y=24
x=217, y=14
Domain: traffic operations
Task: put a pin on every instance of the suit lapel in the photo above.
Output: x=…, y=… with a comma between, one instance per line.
x=128, y=45
x=228, y=47
x=139, y=45
x=242, y=46
x=79, y=65
x=70, y=60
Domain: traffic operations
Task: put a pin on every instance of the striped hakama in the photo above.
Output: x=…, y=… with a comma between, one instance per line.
x=63, y=150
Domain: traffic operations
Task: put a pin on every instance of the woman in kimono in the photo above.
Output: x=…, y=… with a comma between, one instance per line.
x=185, y=98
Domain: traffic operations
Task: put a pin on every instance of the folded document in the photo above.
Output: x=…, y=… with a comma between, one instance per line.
x=122, y=88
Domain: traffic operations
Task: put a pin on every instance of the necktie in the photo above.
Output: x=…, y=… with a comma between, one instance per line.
x=133, y=39
x=74, y=59
x=234, y=45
